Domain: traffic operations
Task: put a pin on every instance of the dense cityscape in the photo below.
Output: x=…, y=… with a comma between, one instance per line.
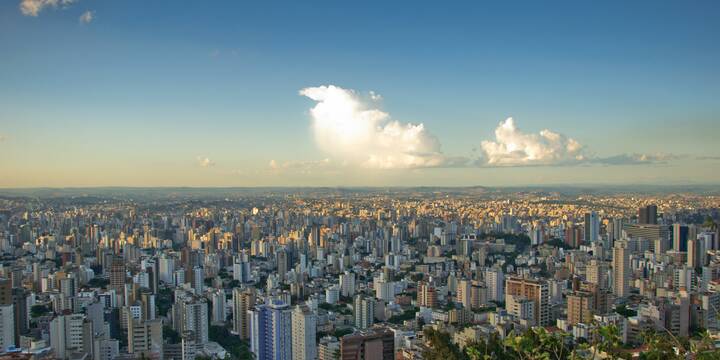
x=355, y=273
x=359, y=180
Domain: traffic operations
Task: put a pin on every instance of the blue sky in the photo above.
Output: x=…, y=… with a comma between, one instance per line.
x=147, y=90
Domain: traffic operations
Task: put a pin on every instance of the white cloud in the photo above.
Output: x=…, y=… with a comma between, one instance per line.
x=87, y=17
x=205, y=162
x=350, y=128
x=2, y=138
x=353, y=131
x=512, y=147
x=637, y=159
x=34, y=7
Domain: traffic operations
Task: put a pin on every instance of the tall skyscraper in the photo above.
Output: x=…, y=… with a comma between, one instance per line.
x=592, y=227
x=654, y=234
x=680, y=236
x=271, y=331
x=7, y=327
x=283, y=263
x=426, y=295
x=579, y=307
x=617, y=229
x=471, y=294
x=647, y=215
x=694, y=247
x=243, y=302
x=5, y=291
x=219, y=313
x=495, y=281
x=166, y=268
x=347, y=284
x=596, y=273
x=364, y=308
x=535, y=290
x=190, y=313
x=70, y=333
x=117, y=273
x=20, y=303
x=621, y=268
x=145, y=337
x=304, y=330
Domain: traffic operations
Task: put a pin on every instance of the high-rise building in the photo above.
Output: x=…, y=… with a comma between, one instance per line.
x=694, y=248
x=145, y=338
x=7, y=327
x=653, y=233
x=243, y=302
x=680, y=237
x=347, y=284
x=117, y=273
x=495, y=282
x=364, y=311
x=5, y=291
x=427, y=296
x=283, y=263
x=579, y=307
x=535, y=290
x=271, y=331
x=592, y=227
x=684, y=279
x=219, y=312
x=198, y=279
x=621, y=268
x=105, y=348
x=376, y=344
x=647, y=215
x=464, y=293
x=71, y=333
x=241, y=271
x=304, y=330
x=327, y=349
x=190, y=313
x=20, y=304
x=166, y=268
x=596, y=272
x=574, y=235
x=522, y=308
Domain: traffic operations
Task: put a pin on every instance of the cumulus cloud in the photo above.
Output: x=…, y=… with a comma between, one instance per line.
x=513, y=147
x=34, y=7
x=351, y=128
x=205, y=162
x=87, y=17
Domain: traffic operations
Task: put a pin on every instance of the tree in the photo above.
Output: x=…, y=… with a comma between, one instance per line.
x=98, y=282
x=624, y=311
x=440, y=346
x=660, y=348
x=538, y=344
x=170, y=335
x=38, y=310
x=237, y=348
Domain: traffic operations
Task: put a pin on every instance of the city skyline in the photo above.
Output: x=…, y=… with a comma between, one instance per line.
x=238, y=95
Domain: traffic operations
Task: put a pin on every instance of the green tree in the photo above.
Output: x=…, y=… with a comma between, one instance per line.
x=440, y=346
